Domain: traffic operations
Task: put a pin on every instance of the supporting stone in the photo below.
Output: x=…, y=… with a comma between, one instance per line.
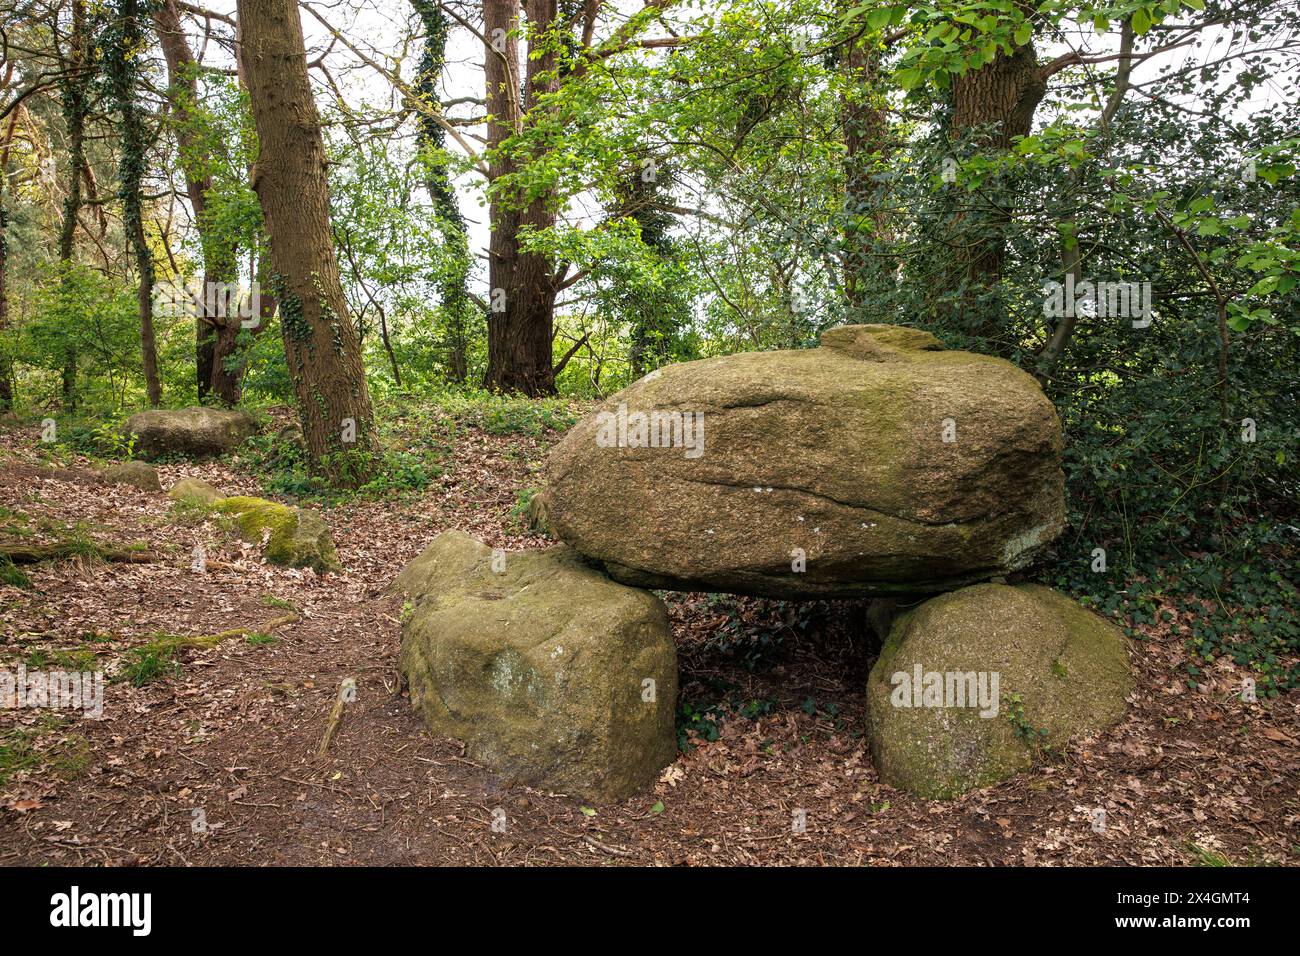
x=553, y=675
x=972, y=686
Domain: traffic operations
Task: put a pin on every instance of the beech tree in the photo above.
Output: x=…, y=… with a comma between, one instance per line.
x=320, y=342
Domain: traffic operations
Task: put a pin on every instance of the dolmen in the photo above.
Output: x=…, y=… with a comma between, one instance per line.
x=878, y=465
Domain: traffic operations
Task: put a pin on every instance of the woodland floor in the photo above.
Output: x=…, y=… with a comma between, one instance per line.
x=1188, y=778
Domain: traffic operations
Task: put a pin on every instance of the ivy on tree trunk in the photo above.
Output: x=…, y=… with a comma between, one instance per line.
x=125, y=46
x=522, y=285
x=320, y=341
x=453, y=285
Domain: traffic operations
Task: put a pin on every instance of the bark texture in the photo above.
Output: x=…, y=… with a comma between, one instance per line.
x=453, y=285
x=74, y=92
x=992, y=106
x=6, y=372
x=522, y=285
x=214, y=338
x=320, y=341
x=124, y=45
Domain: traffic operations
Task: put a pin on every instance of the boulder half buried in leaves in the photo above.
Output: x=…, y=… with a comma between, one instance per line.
x=196, y=432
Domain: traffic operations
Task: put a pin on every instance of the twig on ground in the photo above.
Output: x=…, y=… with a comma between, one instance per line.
x=347, y=693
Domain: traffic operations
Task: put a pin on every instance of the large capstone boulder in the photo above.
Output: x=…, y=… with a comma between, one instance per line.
x=971, y=687
x=553, y=675
x=192, y=432
x=877, y=464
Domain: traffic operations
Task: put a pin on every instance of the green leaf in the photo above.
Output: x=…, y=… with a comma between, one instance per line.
x=658, y=807
x=587, y=811
x=909, y=78
x=1141, y=21
x=879, y=18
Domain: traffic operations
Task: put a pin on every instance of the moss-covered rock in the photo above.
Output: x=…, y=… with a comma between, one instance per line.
x=195, y=491
x=1042, y=669
x=551, y=674
x=293, y=537
x=138, y=474
x=193, y=432
x=536, y=514
x=877, y=464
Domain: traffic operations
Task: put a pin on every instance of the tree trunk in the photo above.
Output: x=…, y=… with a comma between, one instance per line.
x=453, y=287
x=214, y=336
x=320, y=342
x=73, y=90
x=6, y=382
x=75, y=109
x=182, y=90
x=994, y=104
x=6, y=378
x=6, y=370
x=125, y=41
x=225, y=384
x=1001, y=95
x=866, y=149
x=227, y=379
x=144, y=296
x=522, y=285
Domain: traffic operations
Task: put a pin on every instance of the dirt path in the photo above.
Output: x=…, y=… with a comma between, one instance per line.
x=216, y=763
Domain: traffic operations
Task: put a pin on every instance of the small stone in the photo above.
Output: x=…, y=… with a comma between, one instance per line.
x=195, y=490
x=138, y=474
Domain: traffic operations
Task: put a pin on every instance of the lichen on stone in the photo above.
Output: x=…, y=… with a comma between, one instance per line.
x=1065, y=668
x=539, y=665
